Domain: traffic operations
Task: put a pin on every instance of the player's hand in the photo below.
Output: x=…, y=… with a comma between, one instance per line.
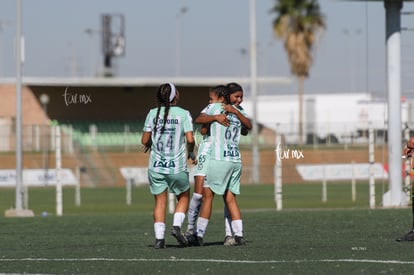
x=407, y=152
x=193, y=157
x=147, y=147
x=222, y=119
x=409, y=149
x=229, y=108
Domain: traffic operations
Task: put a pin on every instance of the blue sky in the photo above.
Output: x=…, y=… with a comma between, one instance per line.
x=213, y=35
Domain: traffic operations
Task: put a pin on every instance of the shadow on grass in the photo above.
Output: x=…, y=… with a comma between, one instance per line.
x=193, y=245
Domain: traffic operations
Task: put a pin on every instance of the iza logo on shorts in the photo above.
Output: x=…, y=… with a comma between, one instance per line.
x=164, y=164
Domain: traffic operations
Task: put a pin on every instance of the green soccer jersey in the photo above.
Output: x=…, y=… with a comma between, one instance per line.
x=168, y=151
x=225, y=139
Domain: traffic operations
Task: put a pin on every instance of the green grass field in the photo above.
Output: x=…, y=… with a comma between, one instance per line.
x=105, y=236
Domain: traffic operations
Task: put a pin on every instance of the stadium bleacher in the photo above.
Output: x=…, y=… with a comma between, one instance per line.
x=117, y=133
x=104, y=133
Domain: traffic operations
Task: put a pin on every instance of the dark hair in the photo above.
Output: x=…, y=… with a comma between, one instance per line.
x=234, y=87
x=231, y=88
x=163, y=99
x=219, y=91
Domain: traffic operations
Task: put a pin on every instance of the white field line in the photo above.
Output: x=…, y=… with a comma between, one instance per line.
x=172, y=259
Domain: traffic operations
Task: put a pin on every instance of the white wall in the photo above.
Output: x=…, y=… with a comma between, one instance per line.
x=5, y=133
x=339, y=114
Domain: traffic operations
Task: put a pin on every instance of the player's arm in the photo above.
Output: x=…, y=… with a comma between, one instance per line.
x=207, y=119
x=409, y=148
x=146, y=141
x=190, y=146
x=244, y=120
x=410, y=143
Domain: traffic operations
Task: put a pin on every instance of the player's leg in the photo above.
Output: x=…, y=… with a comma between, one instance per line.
x=205, y=214
x=158, y=187
x=216, y=184
x=228, y=237
x=179, y=216
x=231, y=202
x=410, y=235
x=236, y=219
x=181, y=208
x=179, y=185
x=200, y=177
x=195, y=203
x=408, y=153
x=159, y=219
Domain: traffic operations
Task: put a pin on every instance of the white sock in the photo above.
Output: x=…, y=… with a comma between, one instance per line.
x=227, y=226
x=159, y=229
x=227, y=222
x=201, y=226
x=178, y=219
x=237, y=226
x=193, y=210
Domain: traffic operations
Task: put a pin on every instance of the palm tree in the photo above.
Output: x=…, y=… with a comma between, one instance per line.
x=299, y=23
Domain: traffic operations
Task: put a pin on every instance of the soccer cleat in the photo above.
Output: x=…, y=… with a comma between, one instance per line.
x=159, y=243
x=239, y=240
x=200, y=241
x=407, y=237
x=229, y=241
x=176, y=232
x=191, y=238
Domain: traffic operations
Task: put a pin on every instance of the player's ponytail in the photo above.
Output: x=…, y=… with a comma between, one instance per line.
x=165, y=95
